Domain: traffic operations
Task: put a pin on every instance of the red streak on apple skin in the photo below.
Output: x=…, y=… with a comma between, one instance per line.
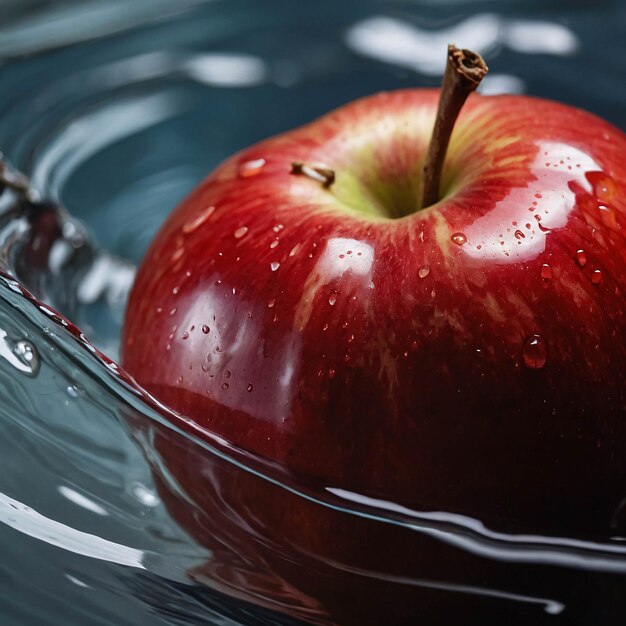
x=430, y=402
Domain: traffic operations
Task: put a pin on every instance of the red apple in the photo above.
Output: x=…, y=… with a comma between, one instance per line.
x=468, y=356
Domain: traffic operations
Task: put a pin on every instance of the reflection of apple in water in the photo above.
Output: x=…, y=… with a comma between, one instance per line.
x=467, y=355
x=282, y=552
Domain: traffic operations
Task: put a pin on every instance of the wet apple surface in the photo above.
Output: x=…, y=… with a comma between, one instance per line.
x=466, y=356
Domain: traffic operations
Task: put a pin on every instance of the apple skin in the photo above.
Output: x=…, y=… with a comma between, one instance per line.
x=469, y=357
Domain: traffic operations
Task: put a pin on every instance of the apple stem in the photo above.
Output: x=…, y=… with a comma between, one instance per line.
x=464, y=71
x=320, y=173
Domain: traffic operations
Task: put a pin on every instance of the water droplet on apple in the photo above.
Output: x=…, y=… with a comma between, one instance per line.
x=424, y=271
x=279, y=227
x=205, y=329
x=459, y=239
x=294, y=250
x=250, y=387
x=608, y=217
x=325, y=327
x=603, y=186
x=241, y=232
x=225, y=386
x=197, y=221
x=332, y=299
x=274, y=243
x=546, y=272
x=251, y=168
x=535, y=352
x=177, y=254
x=519, y=235
x=271, y=303
x=185, y=335
x=173, y=312
x=596, y=277
x=331, y=373
x=581, y=258
x=542, y=228
x=227, y=374
x=274, y=265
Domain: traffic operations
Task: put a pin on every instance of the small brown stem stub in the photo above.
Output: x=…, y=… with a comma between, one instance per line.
x=320, y=173
x=464, y=71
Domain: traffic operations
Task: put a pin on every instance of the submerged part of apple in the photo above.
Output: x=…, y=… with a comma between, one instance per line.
x=469, y=356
